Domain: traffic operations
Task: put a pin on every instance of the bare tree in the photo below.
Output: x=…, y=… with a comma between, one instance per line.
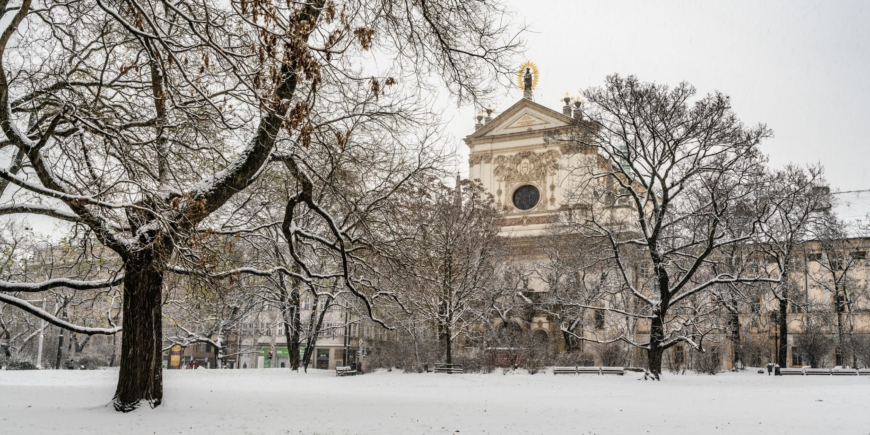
x=449, y=271
x=145, y=119
x=668, y=169
x=815, y=342
x=790, y=196
x=839, y=260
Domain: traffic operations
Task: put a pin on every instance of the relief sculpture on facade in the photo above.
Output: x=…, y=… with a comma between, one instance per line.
x=526, y=166
x=476, y=159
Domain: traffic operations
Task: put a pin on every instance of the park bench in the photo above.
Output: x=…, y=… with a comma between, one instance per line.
x=448, y=368
x=863, y=372
x=588, y=371
x=345, y=371
x=844, y=372
x=818, y=372
x=791, y=372
x=613, y=371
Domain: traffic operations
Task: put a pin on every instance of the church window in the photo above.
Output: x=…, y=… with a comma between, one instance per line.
x=526, y=197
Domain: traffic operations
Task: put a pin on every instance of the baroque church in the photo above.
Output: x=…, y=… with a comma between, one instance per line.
x=519, y=159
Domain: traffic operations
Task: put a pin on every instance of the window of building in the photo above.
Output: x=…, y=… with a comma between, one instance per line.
x=796, y=360
x=306, y=303
x=754, y=304
x=644, y=271
x=322, y=360
x=679, y=355
x=773, y=317
x=836, y=262
x=814, y=257
x=599, y=319
x=795, y=307
x=858, y=255
x=840, y=303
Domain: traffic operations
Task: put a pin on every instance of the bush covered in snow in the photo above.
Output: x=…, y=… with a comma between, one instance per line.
x=17, y=363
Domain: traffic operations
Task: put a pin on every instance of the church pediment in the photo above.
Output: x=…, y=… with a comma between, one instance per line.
x=523, y=116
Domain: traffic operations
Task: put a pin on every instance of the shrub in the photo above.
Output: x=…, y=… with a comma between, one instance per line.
x=89, y=363
x=17, y=363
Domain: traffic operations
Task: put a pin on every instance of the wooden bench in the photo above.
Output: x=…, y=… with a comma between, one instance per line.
x=791, y=372
x=613, y=371
x=564, y=370
x=448, y=368
x=844, y=372
x=863, y=372
x=589, y=371
x=818, y=372
x=345, y=371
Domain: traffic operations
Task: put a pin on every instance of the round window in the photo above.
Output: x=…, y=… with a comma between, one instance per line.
x=526, y=197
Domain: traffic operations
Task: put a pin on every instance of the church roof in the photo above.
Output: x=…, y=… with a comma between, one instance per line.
x=556, y=119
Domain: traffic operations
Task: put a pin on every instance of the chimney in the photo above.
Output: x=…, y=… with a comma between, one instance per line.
x=822, y=198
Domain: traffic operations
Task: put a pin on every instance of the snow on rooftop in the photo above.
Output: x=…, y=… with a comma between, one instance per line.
x=853, y=207
x=278, y=401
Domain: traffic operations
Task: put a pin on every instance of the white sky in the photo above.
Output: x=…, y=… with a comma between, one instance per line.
x=801, y=67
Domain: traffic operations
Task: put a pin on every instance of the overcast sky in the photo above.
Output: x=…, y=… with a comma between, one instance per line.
x=801, y=67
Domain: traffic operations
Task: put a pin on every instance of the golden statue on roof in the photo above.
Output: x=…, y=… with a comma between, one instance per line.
x=527, y=76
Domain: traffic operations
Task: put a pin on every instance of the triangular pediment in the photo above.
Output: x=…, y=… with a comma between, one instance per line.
x=524, y=116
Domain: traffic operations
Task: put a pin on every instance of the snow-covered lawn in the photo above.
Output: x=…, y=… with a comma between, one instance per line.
x=277, y=401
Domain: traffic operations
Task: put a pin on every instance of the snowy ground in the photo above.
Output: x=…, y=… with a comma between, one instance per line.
x=276, y=401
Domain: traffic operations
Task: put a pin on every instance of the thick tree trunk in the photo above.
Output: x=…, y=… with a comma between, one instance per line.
x=292, y=322
x=734, y=326
x=655, y=352
x=141, y=374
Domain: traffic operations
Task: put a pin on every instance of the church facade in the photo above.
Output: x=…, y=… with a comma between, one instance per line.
x=518, y=158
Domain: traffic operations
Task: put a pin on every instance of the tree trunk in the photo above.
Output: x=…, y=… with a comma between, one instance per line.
x=60, y=342
x=840, y=307
x=782, y=321
x=315, y=324
x=734, y=326
x=570, y=344
x=655, y=352
x=292, y=321
x=6, y=346
x=448, y=344
x=141, y=374
x=219, y=351
x=114, y=350
x=294, y=336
